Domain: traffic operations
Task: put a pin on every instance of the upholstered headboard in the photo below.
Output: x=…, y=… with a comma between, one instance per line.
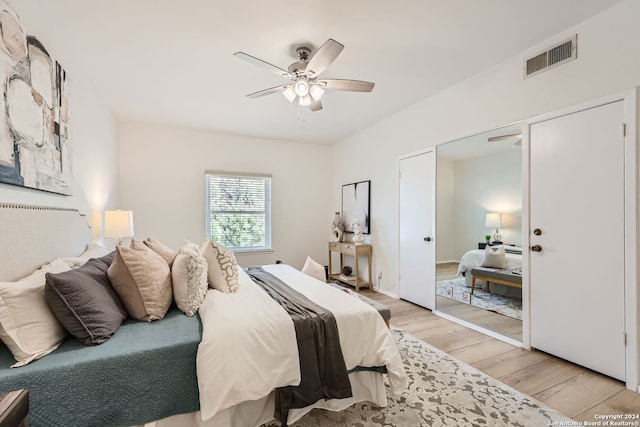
x=34, y=235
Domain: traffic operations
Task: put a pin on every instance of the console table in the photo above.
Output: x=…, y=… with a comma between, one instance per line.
x=356, y=251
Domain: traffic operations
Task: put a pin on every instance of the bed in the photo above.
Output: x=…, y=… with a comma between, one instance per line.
x=218, y=368
x=474, y=258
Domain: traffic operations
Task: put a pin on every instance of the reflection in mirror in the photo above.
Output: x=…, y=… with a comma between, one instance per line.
x=479, y=204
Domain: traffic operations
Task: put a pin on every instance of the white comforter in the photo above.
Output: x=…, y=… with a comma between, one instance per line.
x=474, y=258
x=248, y=343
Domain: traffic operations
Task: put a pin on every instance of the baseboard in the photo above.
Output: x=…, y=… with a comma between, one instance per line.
x=448, y=261
x=387, y=293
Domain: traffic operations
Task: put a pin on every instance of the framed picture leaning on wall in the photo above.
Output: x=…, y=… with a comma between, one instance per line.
x=356, y=204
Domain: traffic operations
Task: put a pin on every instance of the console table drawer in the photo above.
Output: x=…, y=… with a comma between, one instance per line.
x=345, y=248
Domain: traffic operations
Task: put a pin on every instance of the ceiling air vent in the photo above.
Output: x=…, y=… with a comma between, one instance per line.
x=554, y=56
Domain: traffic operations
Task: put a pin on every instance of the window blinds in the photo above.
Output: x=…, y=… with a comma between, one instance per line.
x=239, y=210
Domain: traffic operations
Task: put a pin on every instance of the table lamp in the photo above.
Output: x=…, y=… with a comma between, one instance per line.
x=118, y=225
x=494, y=221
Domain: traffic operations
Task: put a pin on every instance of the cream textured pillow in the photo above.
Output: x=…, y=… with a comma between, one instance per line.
x=223, y=267
x=314, y=269
x=142, y=280
x=28, y=327
x=164, y=251
x=494, y=258
x=189, y=274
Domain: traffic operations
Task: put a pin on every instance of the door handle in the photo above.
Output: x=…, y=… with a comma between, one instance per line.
x=427, y=239
x=537, y=232
x=536, y=248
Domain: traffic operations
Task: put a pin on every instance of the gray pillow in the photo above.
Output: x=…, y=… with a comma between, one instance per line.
x=84, y=301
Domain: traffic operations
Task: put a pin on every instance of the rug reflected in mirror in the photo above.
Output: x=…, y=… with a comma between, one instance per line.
x=441, y=391
x=456, y=290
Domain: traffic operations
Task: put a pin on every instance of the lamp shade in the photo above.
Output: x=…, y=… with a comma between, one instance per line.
x=118, y=224
x=493, y=220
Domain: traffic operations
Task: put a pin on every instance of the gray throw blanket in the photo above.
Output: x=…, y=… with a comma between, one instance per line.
x=322, y=368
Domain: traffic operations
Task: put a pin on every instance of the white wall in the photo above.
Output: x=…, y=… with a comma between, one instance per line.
x=487, y=184
x=93, y=130
x=162, y=181
x=607, y=62
x=446, y=211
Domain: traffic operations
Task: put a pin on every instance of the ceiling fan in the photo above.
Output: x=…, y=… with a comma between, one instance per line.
x=306, y=87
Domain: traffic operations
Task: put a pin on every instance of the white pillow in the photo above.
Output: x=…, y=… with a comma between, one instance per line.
x=314, y=269
x=223, y=267
x=494, y=257
x=28, y=327
x=189, y=272
x=94, y=250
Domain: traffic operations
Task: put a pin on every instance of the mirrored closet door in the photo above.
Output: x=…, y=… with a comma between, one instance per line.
x=479, y=230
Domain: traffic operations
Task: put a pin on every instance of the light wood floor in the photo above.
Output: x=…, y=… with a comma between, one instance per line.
x=577, y=392
x=495, y=322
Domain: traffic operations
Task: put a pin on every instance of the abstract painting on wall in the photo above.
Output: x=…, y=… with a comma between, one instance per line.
x=356, y=205
x=35, y=149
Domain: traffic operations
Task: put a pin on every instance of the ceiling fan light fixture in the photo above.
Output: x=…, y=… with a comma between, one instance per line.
x=316, y=92
x=290, y=94
x=301, y=87
x=304, y=101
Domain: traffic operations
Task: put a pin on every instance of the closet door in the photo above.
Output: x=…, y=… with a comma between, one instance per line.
x=577, y=237
x=417, y=225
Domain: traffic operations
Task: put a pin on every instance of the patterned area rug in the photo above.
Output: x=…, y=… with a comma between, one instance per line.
x=441, y=391
x=457, y=290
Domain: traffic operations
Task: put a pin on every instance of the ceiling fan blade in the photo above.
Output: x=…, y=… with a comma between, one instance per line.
x=504, y=137
x=269, y=91
x=260, y=63
x=323, y=57
x=351, y=85
x=315, y=105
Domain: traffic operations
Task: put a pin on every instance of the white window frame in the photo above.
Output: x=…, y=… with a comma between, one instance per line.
x=266, y=179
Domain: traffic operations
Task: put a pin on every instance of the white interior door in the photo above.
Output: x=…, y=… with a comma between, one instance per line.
x=417, y=225
x=577, y=202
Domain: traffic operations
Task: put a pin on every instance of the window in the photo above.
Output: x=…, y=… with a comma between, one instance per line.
x=239, y=210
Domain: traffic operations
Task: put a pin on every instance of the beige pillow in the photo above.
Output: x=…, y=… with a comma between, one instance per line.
x=314, y=269
x=28, y=327
x=164, y=251
x=142, y=280
x=223, y=267
x=494, y=258
x=189, y=274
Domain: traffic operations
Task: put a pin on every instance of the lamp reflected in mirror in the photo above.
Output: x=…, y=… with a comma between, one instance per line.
x=494, y=220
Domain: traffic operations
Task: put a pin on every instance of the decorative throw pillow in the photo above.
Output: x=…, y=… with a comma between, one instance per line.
x=164, y=251
x=28, y=327
x=314, y=269
x=223, y=267
x=494, y=257
x=142, y=280
x=189, y=274
x=84, y=301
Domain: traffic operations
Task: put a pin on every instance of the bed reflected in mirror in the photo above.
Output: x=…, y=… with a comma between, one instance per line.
x=479, y=230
